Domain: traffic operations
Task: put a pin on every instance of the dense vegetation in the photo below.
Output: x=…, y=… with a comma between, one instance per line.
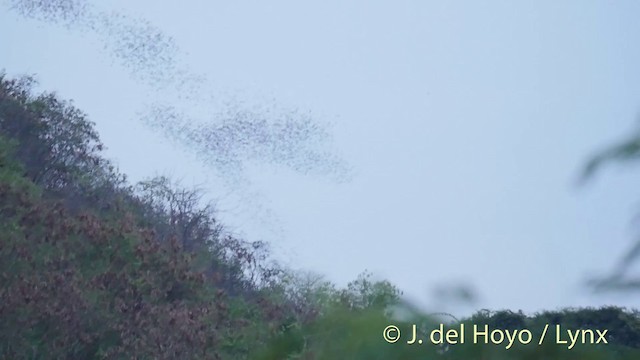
x=94, y=267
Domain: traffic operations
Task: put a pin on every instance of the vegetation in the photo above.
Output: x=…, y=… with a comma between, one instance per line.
x=92, y=267
x=627, y=150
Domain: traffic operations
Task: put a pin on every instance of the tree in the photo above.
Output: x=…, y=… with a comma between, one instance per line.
x=58, y=146
x=625, y=151
x=364, y=293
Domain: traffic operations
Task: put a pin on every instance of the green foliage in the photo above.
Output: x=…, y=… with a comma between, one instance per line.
x=627, y=150
x=84, y=271
x=94, y=268
x=74, y=286
x=343, y=333
x=363, y=293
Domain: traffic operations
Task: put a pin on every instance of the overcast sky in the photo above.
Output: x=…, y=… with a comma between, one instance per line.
x=465, y=124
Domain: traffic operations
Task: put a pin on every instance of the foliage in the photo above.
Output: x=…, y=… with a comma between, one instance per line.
x=626, y=150
x=92, y=267
x=89, y=267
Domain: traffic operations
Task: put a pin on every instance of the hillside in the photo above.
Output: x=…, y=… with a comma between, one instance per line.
x=92, y=267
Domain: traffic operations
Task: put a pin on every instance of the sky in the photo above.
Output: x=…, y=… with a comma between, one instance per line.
x=464, y=126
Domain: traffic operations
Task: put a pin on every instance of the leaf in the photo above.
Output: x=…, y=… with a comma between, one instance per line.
x=627, y=150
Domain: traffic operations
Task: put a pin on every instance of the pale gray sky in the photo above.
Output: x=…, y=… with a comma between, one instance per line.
x=466, y=124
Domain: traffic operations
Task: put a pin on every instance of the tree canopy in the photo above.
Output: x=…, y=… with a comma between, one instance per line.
x=92, y=266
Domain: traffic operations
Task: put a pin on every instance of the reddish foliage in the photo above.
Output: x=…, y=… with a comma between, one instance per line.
x=81, y=285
